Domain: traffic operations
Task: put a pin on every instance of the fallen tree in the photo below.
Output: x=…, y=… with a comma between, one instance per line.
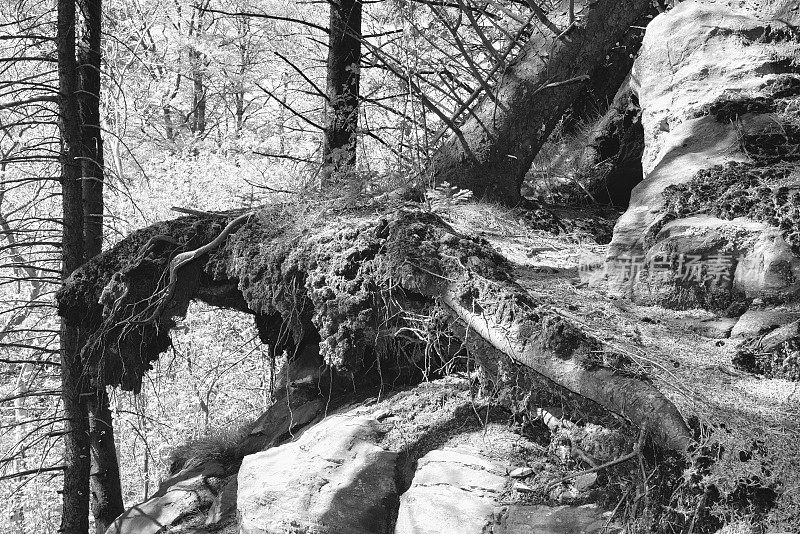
x=495, y=147
x=352, y=297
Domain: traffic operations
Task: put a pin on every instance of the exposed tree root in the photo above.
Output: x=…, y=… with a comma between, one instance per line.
x=635, y=399
x=364, y=296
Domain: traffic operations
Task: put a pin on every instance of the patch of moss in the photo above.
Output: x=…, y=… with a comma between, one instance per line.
x=727, y=109
x=781, y=144
x=781, y=362
x=352, y=277
x=772, y=97
x=757, y=191
x=784, y=86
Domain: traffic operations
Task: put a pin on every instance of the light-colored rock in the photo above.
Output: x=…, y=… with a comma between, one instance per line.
x=521, y=472
x=687, y=254
x=584, y=482
x=333, y=480
x=453, y=492
x=717, y=328
x=775, y=339
x=587, y=519
x=770, y=269
x=756, y=322
x=182, y=495
x=693, y=56
x=523, y=488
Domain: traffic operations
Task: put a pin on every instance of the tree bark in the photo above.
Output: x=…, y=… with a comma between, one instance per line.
x=106, y=490
x=198, y=93
x=198, y=65
x=343, y=79
x=75, y=497
x=89, y=101
x=106, y=487
x=634, y=399
x=505, y=133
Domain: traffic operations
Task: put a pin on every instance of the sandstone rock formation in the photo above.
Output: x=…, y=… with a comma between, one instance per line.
x=333, y=479
x=715, y=220
x=452, y=492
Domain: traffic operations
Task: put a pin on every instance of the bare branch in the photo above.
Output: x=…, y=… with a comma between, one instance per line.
x=265, y=16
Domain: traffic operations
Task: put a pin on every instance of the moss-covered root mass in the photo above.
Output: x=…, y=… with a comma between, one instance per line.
x=372, y=292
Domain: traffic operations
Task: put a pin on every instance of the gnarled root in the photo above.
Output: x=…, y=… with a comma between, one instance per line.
x=636, y=400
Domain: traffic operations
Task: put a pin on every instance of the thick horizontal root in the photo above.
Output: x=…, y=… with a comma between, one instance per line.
x=636, y=400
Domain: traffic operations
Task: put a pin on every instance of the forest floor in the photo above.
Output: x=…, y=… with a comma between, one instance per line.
x=755, y=420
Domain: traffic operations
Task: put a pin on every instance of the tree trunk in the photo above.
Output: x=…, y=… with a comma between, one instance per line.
x=106, y=496
x=106, y=490
x=21, y=389
x=168, y=128
x=634, y=399
x=343, y=78
x=89, y=100
x=506, y=132
x=75, y=511
x=198, y=93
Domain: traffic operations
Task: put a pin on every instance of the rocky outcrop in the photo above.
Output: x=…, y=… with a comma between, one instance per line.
x=333, y=479
x=179, y=501
x=459, y=491
x=453, y=492
x=715, y=220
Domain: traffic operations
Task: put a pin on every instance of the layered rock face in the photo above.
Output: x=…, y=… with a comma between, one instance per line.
x=426, y=460
x=334, y=479
x=715, y=220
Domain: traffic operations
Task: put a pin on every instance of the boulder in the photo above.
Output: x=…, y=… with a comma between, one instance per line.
x=586, y=519
x=187, y=494
x=718, y=88
x=454, y=491
x=333, y=479
x=757, y=322
x=715, y=328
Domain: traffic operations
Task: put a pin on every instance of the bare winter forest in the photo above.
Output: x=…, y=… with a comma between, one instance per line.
x=399, y=266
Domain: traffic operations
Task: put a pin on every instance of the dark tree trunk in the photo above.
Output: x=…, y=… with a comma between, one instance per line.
x=105, y=487
x=198, y=64
x=198, y=93
x=106, y=497
x=505, y=133
x=199, y=99
x=75, y=511
x=89, y=100
x=343, y=78
x=168, y=128
x=240, y=90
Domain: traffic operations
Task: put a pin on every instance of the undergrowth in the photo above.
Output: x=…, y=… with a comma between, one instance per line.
x=221, y=445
